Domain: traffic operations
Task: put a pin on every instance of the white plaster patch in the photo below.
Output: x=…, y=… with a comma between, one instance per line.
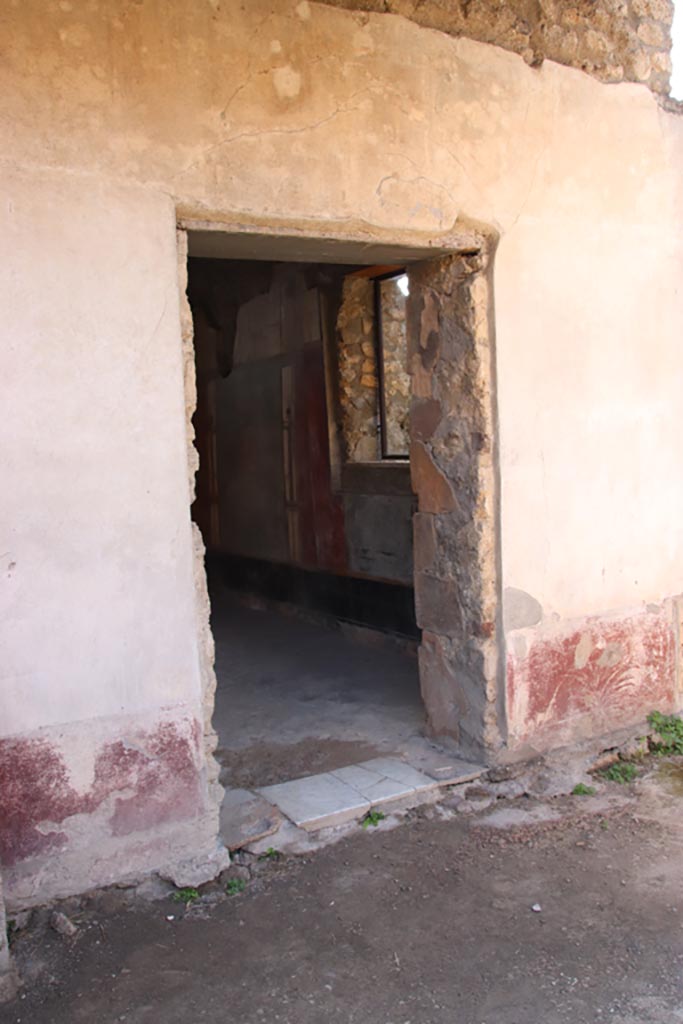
x=77, y=35
x=583, y=651
x=520, y=610
x=304, y=10
x=422, y=203
x=363, y=42
x=275, y=46
x=287, y=82
x=78, y=751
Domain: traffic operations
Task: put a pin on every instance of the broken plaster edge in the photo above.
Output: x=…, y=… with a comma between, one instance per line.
x=205, y=640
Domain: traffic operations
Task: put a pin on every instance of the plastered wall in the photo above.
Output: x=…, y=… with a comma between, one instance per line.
x=118, y=116
x=102, y=765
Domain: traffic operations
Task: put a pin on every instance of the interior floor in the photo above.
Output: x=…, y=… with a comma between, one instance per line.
x=295, y=698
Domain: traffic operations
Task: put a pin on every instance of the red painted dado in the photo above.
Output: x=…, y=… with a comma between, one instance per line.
x=564, y=684
x=156, y=772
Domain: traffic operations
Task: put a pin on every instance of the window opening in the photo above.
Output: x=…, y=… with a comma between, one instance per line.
x=390, y=294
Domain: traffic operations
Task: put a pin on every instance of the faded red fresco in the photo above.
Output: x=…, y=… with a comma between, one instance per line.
x=158, y=772
x=607, y=673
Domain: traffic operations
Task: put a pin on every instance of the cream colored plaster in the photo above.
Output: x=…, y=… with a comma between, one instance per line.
x=97, y=600
x=189, y=103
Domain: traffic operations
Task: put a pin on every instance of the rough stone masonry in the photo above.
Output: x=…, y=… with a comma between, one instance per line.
x=613, y=40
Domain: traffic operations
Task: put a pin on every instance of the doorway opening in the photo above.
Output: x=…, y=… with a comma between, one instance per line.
x=345, y=497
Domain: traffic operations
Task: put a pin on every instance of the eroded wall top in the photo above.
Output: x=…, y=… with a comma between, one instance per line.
x=613, y=40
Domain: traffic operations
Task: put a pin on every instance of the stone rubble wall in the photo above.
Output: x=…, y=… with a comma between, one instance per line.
x=612, y=40
x=396, y=374
x=358, y=372
x=358, y=376
x=454, y=476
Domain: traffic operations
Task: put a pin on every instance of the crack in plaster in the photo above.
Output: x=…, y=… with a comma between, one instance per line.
x=264, y=132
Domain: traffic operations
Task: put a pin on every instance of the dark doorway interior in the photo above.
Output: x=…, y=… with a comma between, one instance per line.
x=309, y=558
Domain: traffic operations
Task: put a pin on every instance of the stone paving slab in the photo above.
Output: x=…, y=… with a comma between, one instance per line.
x=399, y=771
x=317, y=801
x=456, y=772
x=246, y=817
x=447, y=771
x=373, y=781
x=332, y=798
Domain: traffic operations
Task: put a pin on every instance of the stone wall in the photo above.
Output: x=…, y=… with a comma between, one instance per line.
x=452, y=461
x=613, y=40
x=395, y=376
x=377, y=512
x=358, y=372
x=359, y=380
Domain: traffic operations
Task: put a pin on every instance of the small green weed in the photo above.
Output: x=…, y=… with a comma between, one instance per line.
x=373, y=818
x=186, y=896
x=235, y=886
x=270, y=854
x=622, y=771
x=581, y=789
x=670, y=731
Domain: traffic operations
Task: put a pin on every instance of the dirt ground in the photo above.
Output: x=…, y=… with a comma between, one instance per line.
x=430, y=922
x=269, y=763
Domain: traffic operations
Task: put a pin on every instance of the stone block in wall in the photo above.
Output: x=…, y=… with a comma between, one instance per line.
x=451, y=686
x=433, y=488
x=439, y=688
x=424, y=542
x=659, y=10
x=437, y=605
x=379, y=536
x=425, y=417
